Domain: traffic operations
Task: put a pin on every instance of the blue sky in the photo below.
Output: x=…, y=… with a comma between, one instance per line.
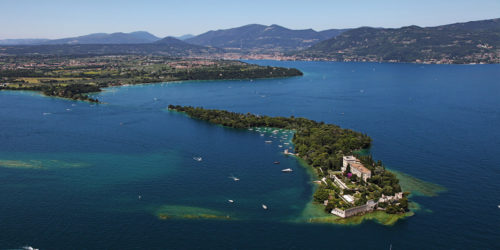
x=64, y=18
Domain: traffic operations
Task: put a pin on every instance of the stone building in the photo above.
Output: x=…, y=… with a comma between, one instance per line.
x=368, y=207
x=356, y=167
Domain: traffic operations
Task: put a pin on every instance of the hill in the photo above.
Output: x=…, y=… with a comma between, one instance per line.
x=104, y=38
x=173, y=41
x=261, y=38
x=471, y=42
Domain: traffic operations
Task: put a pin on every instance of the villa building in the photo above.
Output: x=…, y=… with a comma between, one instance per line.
x=356, y=167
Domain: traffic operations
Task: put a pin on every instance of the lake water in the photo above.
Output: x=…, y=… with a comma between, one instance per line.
x=82, y=176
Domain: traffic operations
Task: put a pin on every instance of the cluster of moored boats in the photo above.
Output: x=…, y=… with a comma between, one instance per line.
x=274, y=132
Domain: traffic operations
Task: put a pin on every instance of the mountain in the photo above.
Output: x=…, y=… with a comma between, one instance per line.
x=260, y=38
x=471, y=42
x=104, y=38
x=27, y=41
x=184, y=37
x=327, y=34
x=172, y=40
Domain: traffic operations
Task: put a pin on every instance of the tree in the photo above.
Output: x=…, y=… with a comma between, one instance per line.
x=321, y=194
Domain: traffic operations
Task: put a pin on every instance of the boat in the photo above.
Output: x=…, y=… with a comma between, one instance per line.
x=276, y=162
x=264, y=207
x=287, y=170
x=268, y=141
x=234, y=178
x=230, y=201
x=139, y=197
x=197, y=158
x=29, y=248
x=498, y=206
x=280, y=146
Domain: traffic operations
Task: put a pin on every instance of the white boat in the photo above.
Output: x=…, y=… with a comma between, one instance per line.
x=234, y=178
x=261, y=134
x=498, y=206
x=287, y=170
x=230, y=201
x=197, y=158
x=29, y=248
x=268, y=141
x=280, y=146
x=264, y=207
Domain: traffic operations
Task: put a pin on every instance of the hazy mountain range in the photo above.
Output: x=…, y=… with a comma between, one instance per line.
x=470, y=42
x=477, y=41
x=248, y=37
x=256, y=37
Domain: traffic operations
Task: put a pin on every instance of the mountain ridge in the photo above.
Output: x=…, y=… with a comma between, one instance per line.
x=468, y=42
x=258, y=37
x=135, y=37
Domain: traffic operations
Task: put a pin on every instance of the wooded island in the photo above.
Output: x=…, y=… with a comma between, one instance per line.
x=349, y=183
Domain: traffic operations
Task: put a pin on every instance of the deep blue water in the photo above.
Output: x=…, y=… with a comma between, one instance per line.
x=77, y=170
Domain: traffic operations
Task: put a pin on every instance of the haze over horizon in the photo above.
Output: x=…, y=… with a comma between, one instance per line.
x=54, y=19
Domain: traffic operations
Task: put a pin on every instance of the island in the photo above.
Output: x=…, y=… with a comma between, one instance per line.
x=349, y=182
x=74, y=77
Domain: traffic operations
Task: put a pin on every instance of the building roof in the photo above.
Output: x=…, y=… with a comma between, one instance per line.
x=348, y=198
x=361, y=168
x=349, y=158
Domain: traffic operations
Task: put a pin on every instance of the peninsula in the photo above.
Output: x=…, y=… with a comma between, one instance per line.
x=74, y=77
x=348, y=183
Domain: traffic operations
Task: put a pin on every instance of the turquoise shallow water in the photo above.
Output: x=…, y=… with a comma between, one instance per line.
x=72, y=172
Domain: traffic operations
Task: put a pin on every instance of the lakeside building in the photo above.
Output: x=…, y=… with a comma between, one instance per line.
x=356, y=167
x=361, y=171
x=368, y=207
x=388, y=198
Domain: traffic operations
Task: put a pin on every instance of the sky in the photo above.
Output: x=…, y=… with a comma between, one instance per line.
x=67, y=18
